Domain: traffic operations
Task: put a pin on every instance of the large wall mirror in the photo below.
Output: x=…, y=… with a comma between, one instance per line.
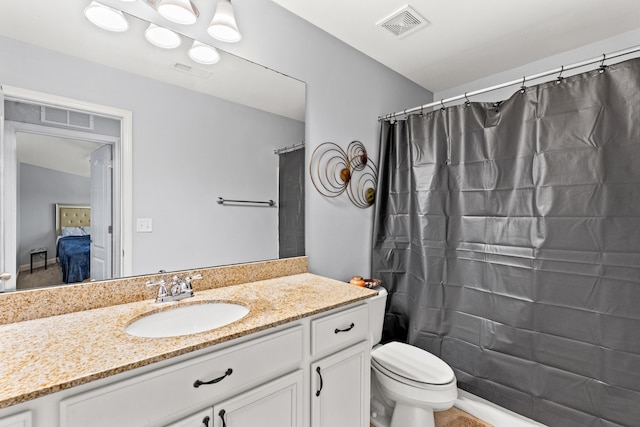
x=199, y=132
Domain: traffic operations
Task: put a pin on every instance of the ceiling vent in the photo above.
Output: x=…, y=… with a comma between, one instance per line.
x=198, y=72
x=403, y=22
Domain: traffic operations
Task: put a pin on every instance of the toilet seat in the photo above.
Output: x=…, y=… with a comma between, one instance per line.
x=411, y=365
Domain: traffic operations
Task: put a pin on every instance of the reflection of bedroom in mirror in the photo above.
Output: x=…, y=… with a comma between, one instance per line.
x=64, y=163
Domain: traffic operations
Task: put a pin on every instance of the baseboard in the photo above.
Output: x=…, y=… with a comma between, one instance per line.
x=37, y=264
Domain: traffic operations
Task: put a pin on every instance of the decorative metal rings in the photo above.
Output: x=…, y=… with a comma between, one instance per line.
x=334, y=171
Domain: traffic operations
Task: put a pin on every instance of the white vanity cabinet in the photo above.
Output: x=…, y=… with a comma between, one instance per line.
x=19, y=420
x=340, y=381
x=158, y=397
x=311, y=372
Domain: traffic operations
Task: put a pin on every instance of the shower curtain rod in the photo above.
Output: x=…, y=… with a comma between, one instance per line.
x=522, y=80
x=293, y=147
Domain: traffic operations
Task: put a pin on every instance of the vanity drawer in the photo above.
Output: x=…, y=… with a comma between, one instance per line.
x=338, y=330
x=157, y=395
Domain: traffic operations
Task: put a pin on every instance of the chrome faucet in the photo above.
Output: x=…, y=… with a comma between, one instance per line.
x=179, y=289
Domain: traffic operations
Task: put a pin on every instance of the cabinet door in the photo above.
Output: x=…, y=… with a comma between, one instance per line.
x=22, y=419
x=340, y=388
x=277, y=403
x=201, y=419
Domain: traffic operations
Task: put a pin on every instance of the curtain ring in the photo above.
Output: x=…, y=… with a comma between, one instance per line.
x=442, y=103
x=560, y=78
x=523, y=88
x=467, y=103
x=603, y=67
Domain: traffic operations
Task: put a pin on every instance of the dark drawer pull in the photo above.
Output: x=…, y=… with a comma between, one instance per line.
x=205, y=421
x=345, y=330
x=221, y=414
x=321, y=385
x=198, y=383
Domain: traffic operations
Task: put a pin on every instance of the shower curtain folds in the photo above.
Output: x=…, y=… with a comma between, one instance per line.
x=509, y=240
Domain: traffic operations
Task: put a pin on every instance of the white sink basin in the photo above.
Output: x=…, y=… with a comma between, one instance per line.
x=187, y=319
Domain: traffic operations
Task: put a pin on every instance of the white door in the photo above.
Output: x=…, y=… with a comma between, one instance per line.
x=8, y=204
x=101, y=213
x=277, y=403
x=340, y=385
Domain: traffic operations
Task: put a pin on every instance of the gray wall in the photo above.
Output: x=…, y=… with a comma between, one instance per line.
x=40, y=190
x=346, y=92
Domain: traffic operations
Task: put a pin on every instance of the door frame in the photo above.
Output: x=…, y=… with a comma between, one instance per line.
x=122, y=174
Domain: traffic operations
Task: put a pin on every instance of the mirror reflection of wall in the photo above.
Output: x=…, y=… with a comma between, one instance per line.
x=188, y=147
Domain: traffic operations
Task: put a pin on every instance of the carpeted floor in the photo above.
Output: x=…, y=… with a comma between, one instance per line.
x=455, y=417
x=40, y=277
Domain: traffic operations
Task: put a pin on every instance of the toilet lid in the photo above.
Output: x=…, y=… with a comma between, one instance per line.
x=413, y=363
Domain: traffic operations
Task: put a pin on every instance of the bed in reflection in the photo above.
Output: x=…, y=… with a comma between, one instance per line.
x=73, y=247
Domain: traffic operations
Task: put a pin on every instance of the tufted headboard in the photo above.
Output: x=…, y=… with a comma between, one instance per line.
x=72, y=216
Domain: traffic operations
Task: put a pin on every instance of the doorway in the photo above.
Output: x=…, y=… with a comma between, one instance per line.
x=119, y=183
x=61, y=167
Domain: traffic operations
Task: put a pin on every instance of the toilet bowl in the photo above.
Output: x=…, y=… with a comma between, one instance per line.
x=407, y=383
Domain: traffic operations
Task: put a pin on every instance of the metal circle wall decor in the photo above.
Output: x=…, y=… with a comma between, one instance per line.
x=334, y=171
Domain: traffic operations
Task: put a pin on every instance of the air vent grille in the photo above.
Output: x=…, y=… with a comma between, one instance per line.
x=198, y=72
x=403, y=22
x=69, y=118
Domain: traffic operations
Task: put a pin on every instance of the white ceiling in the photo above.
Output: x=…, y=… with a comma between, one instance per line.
x=60, y=154
x=60, y=25
x=469, y=39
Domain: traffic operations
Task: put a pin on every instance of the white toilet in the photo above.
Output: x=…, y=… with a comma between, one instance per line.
x=407, y=383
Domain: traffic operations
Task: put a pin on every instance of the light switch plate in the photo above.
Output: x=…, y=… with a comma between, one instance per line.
x=144, y=225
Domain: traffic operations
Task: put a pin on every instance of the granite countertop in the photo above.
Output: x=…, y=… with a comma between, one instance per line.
x=50, y=354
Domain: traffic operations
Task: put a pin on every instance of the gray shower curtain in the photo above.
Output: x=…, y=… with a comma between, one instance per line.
x=508, y=236
x=291, y=204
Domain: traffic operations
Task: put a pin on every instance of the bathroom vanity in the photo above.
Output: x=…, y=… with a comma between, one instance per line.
x=301, y=357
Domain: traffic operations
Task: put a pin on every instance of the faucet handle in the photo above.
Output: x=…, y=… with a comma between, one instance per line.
x=186, y=283
x=162, y=290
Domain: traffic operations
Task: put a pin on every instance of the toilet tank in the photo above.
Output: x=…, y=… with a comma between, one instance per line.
x=377, y=305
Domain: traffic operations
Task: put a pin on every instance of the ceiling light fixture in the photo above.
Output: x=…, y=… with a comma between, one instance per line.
x=223, y=27
x=203, y=53
x=178, y=11
x=105, y=17
x=162, y=37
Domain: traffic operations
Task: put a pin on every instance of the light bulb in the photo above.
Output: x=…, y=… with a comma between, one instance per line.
x=223, y=27
x=178, y=11
x=162, y=37
x=105, y=17
x=203, y=53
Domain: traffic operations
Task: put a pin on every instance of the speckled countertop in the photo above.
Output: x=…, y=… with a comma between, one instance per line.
x=49, y=354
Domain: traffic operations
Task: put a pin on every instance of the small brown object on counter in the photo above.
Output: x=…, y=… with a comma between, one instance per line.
x=372, y=283
x=357, y=280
